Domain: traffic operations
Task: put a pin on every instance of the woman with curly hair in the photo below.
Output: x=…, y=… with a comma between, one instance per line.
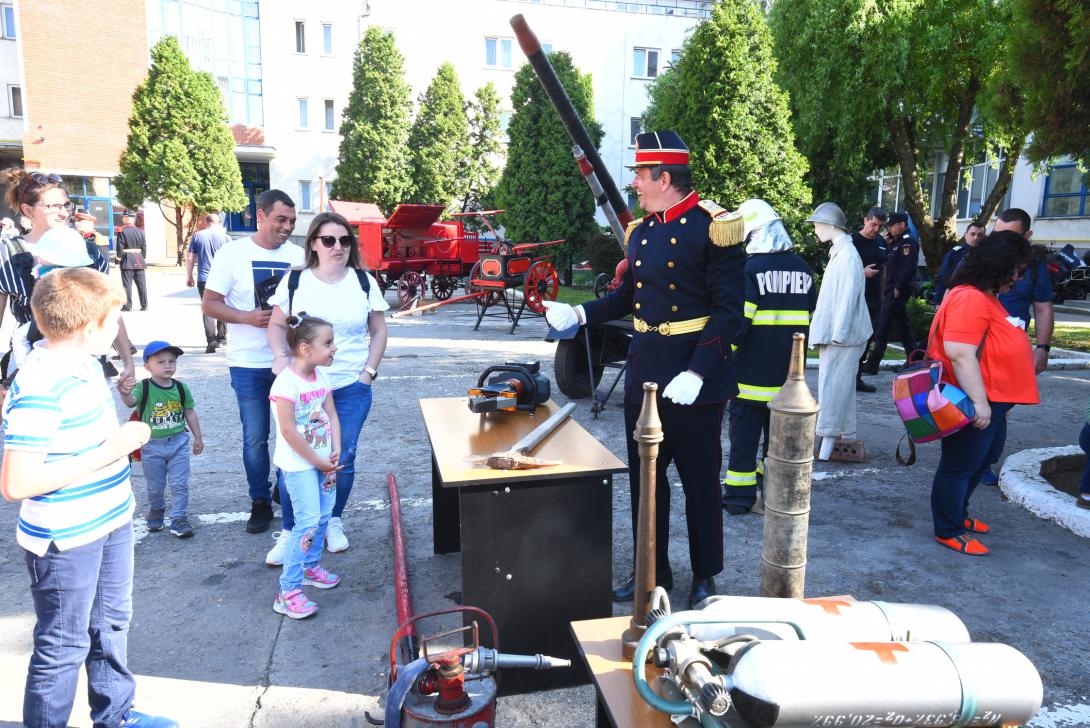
x=989, y=356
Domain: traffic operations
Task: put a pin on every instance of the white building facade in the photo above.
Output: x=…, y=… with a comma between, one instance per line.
x=285, y=68
x=11, y=83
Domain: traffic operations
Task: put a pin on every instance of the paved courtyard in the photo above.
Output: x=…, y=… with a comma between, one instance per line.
x=209, y=651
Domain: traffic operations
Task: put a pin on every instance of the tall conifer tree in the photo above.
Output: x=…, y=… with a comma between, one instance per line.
x=439, y=142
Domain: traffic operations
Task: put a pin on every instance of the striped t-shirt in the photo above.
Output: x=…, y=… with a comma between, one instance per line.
x=14, y=282
x=61, y=406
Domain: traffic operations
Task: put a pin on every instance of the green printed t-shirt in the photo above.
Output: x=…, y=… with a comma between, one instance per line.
x=165, y=412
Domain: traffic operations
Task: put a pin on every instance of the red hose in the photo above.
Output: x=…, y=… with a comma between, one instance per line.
x=401, y=570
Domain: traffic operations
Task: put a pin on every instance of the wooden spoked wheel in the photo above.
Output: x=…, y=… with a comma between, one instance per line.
x=409, y=286
x=542, y=284
x=442, y=287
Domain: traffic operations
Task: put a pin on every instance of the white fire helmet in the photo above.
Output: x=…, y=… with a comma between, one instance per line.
x=755, y=214
x=763, y=229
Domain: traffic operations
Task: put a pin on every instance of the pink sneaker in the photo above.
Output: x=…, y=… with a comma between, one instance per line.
x=317, y=576
x=294, y=604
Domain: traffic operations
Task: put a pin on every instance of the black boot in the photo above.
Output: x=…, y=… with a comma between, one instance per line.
x=861, y=386
x=624, y=592
x=701, y=590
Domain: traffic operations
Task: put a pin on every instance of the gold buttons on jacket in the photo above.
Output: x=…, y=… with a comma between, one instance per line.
x=682, y=221
x=673, y=241
x=652, y=224
x=637, y=307
x=643, y=242
x=670, y=264
x=638, y=263
x=639, y=284
x=673, y=286
x=674, y=309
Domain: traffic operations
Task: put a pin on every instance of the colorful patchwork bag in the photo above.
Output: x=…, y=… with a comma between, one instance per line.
x=929, y=407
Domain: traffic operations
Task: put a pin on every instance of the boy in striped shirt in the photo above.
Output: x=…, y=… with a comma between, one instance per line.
x=65, y=460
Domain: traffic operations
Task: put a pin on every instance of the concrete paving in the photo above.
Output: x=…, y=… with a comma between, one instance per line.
x=209, y=650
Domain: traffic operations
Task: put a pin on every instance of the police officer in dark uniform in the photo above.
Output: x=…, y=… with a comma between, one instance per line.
x=871, y=246
x=974, y=233
x=901, y=262
x=684, y=288
x=780, y=296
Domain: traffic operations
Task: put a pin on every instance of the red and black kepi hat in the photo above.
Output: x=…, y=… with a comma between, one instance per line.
x=660, y=147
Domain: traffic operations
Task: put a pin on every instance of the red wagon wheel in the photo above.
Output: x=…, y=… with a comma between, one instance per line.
x=542, y=284
x=409, y=286
x=442, y=287
x=491, y=298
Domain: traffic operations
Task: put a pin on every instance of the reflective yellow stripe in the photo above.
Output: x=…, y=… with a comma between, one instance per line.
x=761, y=466
x=749, y=309
x=755, y=393
x=738, y=479
x=772, y=317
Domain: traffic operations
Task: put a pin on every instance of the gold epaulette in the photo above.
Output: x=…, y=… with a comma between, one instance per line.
x=727, y=227
x=628, y=231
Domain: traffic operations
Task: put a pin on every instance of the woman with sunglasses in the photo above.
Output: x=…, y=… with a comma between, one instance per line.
x=985, y=352
x=331, y=286
x=43, y=201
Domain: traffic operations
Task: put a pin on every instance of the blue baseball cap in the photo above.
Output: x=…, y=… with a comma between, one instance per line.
x=154, y=347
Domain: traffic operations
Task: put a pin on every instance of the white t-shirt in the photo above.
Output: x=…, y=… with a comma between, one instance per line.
x=312, y=422
x=243, y=271
x=343, y=305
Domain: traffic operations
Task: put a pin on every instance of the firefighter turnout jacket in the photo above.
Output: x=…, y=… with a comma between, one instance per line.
x=780, y=297
x=684, y=290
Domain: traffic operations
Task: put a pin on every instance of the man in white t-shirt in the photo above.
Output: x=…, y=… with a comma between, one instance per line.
x=243, y=276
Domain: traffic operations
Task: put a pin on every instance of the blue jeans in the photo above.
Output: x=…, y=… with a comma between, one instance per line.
x=353, y=403
x=1084, y=443
x=83, y=602
x=252, y=392
x=313, y=503
x=966, y=455
x=166, y=460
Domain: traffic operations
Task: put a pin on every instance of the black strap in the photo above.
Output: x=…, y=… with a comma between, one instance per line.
x=293, y=283
x=145, y=389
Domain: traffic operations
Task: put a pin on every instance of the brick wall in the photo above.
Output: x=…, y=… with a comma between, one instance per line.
x=81, y=64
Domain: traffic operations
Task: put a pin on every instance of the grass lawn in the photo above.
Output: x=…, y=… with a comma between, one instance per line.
x=1067, y=336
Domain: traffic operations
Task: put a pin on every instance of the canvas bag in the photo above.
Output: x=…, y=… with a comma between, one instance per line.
x=929, y=407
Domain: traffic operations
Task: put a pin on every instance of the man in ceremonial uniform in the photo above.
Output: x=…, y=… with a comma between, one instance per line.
x=684, y=288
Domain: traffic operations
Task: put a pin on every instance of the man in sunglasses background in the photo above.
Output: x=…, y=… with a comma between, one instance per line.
x=244, y=273
x=132, y=249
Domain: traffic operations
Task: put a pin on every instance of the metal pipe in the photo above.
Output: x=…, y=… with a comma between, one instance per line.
x=539, y=433
x=568, y=115
x=402, y=593
x=648, y=435
x=599, y=193
x=788, y=474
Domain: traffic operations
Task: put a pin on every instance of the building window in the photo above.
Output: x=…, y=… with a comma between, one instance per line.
x=1065, y=192
x=327, y=39
x=303, y=116
x=329, y=120
x=7, y=21
x=300, y=36
x=304, y=195
x=982, y=178
x=547, y=47
x=635, y=127
x=497, y=52
x=675, y=56
x=15, y=102
x=505, y=121
x=645, y=62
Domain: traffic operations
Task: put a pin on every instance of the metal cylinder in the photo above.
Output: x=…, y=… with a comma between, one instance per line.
x=829, y=619
x=419, y=711
x=884, y=684
x=788, y=472
x=648, y=435
x=600, y=197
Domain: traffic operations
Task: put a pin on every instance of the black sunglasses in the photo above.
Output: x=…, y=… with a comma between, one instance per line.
x=330, y=240
x=45, y=179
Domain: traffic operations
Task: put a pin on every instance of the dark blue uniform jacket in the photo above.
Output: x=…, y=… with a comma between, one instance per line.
x=675, y=273
x=901, y=263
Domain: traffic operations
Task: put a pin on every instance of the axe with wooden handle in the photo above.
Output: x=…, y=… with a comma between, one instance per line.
x=518, y=457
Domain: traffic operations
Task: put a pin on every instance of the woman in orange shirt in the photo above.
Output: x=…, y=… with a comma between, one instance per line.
x=990, y=357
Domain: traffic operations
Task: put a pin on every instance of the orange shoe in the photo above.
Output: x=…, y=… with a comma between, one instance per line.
x=976, y=526
x=964, y=544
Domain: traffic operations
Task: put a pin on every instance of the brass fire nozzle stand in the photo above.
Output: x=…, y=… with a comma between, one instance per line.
x=788, y=473
x=648, y=434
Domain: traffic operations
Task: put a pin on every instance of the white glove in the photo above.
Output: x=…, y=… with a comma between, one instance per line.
x=561, y=316
x=683, y=388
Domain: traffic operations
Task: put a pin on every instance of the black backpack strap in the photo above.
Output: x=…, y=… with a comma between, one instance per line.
x=293, y=283
x=365, y=284
x=145, y=390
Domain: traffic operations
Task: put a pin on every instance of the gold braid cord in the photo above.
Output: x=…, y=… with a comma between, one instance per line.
x=628, y=231
x=727, y=228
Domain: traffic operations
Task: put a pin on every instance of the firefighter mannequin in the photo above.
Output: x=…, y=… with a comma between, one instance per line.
x=780, y=296
x=684, y=288
x=839, y=328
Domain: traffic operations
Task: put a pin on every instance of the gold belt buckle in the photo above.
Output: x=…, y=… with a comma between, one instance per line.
x=641, y=325
x=664, y=328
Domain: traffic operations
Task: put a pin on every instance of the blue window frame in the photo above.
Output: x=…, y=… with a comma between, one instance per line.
x=304, y=195
x=330, y=121
x=490, y=51
x=497, y=52
x=327, y=39
x=1065, y=192
x=303, y=114
x=8, y=21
